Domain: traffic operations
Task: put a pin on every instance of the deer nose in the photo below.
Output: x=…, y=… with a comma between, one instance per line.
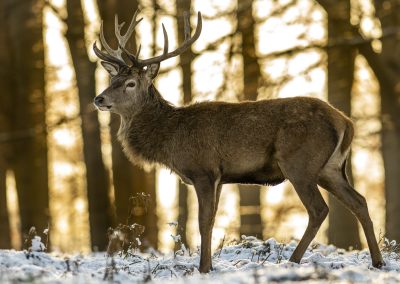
x=98, y=100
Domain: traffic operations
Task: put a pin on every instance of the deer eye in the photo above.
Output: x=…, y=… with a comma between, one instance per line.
x=131, y=85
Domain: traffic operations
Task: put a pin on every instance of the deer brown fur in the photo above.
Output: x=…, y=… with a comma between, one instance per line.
x=303, y=140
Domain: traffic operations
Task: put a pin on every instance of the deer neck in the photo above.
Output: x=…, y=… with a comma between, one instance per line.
x=145, y=134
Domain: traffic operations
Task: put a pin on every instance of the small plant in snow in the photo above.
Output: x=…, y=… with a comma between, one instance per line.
x=125, y=239
x=46, y=232
x=390, y=246
x=33, y=242
x=221, y=246
x=248, y=241
x=110, y=269
x=138, y=205
x=37, y=244
x=265, y=252
x=280, y=249
x=176, y=238
x=180, y=248
x=173, y=224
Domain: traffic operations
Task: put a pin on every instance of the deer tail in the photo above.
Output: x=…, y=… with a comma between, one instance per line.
x=347, y=137
x=345, y=146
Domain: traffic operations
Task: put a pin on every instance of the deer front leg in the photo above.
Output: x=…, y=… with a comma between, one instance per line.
x=207, y=195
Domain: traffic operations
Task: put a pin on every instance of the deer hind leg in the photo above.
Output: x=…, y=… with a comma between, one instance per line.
x=208, y=192
x=307, y=190
x=335, y=181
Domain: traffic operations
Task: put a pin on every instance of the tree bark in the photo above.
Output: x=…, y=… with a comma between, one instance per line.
x=5, y=127
x=97, y=181
x=250, y=206
x=183, y=6
x=29, y=161
x=128, y=179
x=386, y=67
x=5, y=235
x=343, y=228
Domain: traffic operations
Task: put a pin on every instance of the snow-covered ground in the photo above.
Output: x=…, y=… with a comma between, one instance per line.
x=251, y=261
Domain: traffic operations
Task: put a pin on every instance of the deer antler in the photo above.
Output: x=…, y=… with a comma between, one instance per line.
x=115, y=55
x=166, y=55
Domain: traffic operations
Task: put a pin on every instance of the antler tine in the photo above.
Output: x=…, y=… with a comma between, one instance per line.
x=131, y=56
x=115, y=55
x=138, y=51
x=104, y=43
x=141, y=63
x=123, y=39
x=165, y=51
x=106, y=57
x=187, y=42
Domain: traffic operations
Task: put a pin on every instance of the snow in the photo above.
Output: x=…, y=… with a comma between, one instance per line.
x=250, y=261
x=37, y=244
x=176, y=238
x=173, y=224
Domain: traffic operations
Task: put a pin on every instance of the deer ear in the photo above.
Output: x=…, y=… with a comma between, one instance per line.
x=152, y=70
x=111, y=68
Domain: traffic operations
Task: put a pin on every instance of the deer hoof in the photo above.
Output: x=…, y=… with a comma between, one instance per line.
x=205, y=268
x=379, y=264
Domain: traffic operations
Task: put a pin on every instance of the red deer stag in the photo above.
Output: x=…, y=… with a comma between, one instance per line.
x=303, y=140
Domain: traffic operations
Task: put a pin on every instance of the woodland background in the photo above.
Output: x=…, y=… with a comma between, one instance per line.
x=61, y=167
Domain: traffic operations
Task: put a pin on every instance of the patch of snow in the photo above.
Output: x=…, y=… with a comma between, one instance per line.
x=251, y=261
x=176, y=238
x=37, y=244
x=172, y=224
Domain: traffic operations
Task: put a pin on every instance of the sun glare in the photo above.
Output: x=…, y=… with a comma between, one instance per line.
x=64, y=137
x=275, y=194
x=13, y=210
x=80, y=205
x=63, y=169
x=166, y=211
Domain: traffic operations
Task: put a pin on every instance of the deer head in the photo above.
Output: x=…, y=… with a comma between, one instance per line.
x=131, y=77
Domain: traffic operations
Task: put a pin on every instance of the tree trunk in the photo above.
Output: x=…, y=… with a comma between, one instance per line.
x=5, y=127
x=128, y=179
x=97, y=181
x=5, y=235
x=183, y=6
x=250, y=206
x=25, y=27
x=390, y=111
x=343, y=227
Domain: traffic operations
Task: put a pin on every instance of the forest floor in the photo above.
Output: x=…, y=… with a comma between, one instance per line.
x=250, y=261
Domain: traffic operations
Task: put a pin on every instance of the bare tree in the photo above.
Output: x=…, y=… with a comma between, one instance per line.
x=29, y=160
x=97, y=181
x=250, y=206
x=343, y=228
x=184, y=6
x=386, y=66
x=5, y=235
x=128, y=179
x=5, y=127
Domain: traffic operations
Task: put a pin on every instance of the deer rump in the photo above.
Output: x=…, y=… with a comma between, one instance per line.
x=242, y=142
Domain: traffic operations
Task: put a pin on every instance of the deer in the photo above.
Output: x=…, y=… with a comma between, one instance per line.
x=303, y=140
